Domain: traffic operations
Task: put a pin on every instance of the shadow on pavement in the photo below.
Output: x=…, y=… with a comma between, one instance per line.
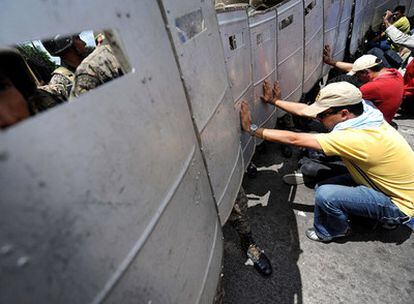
x=366, y=230
x=274, y=228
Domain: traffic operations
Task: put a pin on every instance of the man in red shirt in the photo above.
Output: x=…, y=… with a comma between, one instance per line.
x=383, y=86
x=407, y=41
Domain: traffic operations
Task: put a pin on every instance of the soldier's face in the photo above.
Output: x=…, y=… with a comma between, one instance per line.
x=79, y=45
x=13, y=106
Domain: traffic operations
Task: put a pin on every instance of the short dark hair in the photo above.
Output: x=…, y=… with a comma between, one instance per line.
x=400, y=8
x=378, y=67
x=352, y=79
x=356, y=109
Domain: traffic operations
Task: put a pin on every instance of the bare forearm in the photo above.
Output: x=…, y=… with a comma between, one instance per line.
x=289, y=138
x=295, y=108
x=343, y=66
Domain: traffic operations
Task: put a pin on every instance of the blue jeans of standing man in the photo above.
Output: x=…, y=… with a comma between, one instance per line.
x=340, y=196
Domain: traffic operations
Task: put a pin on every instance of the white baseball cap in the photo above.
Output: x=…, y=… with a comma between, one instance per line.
x=336, y=94
x=364, y=62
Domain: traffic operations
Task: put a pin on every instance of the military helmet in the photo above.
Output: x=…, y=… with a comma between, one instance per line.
x=14, y=67
x=58, y=44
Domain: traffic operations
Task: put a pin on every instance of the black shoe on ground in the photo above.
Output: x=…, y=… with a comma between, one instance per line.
x=251, y=171
x=260, y=261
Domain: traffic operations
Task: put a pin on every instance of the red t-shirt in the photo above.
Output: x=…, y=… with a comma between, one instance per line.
x=386, y=92
x=409, y=81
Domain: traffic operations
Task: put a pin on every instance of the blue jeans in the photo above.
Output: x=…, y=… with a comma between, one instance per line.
x=340, y=196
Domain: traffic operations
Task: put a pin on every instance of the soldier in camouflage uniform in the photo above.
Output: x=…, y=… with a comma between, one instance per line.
x=99, y=67
x=19, y=97
x=240, y=221
x=72, y=51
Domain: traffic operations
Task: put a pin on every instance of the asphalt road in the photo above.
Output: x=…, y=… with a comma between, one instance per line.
x=371, y=266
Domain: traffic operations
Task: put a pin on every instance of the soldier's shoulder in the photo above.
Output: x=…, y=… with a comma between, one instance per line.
x=102, y=52
x=62, y=72
x=101, y=63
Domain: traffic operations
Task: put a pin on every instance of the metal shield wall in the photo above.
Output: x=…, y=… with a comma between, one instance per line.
x=290, y=48
x=202, y=66
x=380, y=8
x=235, y=36
x=358, y=33
x=263, y=43
x=369, y=15
x=332, y=17
x=410, y=8
x=313, y=60
x=343, y=31
x=407, y=4
x=106, y=199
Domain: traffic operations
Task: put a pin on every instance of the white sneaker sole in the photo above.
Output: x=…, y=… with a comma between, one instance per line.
x=293, y=178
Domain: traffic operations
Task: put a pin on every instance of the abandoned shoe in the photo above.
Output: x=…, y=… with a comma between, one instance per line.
x=293, y=178
x=260, y=261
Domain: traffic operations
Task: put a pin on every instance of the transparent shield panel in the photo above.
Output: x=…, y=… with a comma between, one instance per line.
x=189, y=25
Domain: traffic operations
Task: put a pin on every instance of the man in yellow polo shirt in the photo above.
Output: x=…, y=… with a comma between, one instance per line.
x=380, y=161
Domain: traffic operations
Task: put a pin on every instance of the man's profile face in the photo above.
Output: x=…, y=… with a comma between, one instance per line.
x=397, y=15
x=13, y=106
x=79, y=45
x=329, y=118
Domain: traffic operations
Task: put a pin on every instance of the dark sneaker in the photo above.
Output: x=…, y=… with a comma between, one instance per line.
x=251, y=171
x=260, y=261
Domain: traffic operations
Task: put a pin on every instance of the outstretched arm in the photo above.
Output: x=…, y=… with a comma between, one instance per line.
x=274, y=97
x=304, y=140
x=344, y=66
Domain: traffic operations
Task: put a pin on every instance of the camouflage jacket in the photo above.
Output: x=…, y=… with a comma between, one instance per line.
x=62, y=78
x=45, y=97
x=99, y=67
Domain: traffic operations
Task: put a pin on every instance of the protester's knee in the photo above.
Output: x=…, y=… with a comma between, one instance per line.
x=324, y=194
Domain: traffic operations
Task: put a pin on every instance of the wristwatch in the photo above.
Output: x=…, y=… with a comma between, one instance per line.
x=253, y=129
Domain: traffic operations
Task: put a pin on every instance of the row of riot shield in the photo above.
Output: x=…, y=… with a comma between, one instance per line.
x=121, y=194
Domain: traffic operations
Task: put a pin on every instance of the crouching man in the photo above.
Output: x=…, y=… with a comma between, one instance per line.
x=380, y=183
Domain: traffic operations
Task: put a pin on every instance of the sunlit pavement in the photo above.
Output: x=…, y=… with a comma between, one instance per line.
x=371, y=266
